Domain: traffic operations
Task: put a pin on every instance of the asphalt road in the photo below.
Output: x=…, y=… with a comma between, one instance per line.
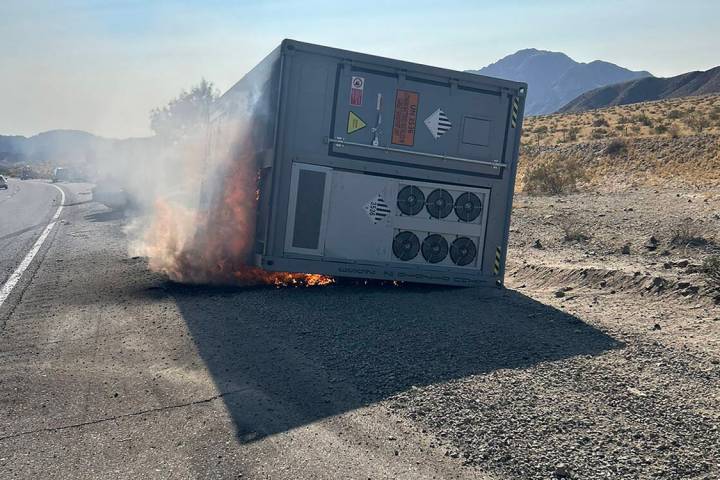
x=25, y=209
x=109, y=371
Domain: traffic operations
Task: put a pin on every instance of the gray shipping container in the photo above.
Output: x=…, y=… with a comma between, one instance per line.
x=377, y=168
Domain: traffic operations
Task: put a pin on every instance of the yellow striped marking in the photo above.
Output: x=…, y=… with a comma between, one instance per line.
x=515, y=107
x=498, y=256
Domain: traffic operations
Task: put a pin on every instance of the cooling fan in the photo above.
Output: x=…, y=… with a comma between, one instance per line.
x=439, y=203
x=462, y=251
x=468, y=207
x=434, y=248
x=410, y=200
x=406, y=246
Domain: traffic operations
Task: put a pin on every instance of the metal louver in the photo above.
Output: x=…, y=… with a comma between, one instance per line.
x=439, y=203
x=406, y=246
x=434, y=248
x=462, y=251
x=410, y=200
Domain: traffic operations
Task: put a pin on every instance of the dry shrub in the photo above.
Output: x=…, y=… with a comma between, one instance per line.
x=689, y=234
x=674, y=131
x=573, y=133
x=711, y=269
x=661, y=128
x=555, y=174
x=697, y=122
x=598, y=133
x=643, y=119
x=617, y=146
x=572, y=232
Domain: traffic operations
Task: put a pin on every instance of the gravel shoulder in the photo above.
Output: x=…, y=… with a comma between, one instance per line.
x=108, y=370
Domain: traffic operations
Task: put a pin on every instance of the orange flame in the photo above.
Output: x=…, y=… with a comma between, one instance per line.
x=215, y=245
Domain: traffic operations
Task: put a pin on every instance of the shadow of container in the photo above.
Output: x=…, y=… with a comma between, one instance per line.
x=288, y=357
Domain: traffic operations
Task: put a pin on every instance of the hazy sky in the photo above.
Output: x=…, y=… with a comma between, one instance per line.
x=101, y=66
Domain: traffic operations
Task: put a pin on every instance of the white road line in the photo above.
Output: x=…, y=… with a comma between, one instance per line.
x=15, y=277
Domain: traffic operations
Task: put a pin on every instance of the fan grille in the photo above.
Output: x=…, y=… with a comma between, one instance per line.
x=434, y=248
x=410, y=200
x=468, y=207
x=462, y=251
x=439, y=203
x=406, y=246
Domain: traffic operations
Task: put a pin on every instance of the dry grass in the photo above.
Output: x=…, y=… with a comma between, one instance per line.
x=689, y=234
x=674, y=141
x=554, y=174
x=670, y=118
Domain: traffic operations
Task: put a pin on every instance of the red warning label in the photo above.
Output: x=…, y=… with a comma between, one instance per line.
x=357, y=85
x=406, y=108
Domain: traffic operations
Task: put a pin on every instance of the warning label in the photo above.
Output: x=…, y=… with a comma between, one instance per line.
x=406, y=108
x=377, y=209
x=357, y=85
x=355, y=123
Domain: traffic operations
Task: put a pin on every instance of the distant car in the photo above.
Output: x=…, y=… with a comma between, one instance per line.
x=60, y=174
x=3, y=182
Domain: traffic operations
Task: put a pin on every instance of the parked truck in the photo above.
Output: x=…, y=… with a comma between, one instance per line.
x=377, y=168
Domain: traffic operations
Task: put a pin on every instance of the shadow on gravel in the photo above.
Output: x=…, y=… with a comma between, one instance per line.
x=296, y=355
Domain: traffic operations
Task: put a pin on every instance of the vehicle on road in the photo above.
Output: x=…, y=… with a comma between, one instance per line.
x=26, y=173
x=3, y=182
x=60, y=174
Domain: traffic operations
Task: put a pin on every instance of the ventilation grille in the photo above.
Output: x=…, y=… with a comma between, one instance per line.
x=434, y=248
x=443, y=204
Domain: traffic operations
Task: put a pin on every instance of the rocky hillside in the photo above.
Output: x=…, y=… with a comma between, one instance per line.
x=553, y=78
x=620, y=147
x=647, y=89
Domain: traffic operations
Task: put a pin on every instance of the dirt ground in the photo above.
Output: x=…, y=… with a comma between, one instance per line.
x=649, y=407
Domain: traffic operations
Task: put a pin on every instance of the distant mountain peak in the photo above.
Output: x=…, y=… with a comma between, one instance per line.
x=647, y=89
x=554, y=78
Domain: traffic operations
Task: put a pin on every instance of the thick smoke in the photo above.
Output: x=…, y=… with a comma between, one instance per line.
x=193, y=201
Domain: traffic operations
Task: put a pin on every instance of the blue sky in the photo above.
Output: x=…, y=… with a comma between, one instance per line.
x=101, y=66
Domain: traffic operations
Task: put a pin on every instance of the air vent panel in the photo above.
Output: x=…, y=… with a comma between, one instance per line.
x=410, y=200
x=406, y=246
x=463, y=251
x=434, y=248
x=439, y=203
x=468, y=207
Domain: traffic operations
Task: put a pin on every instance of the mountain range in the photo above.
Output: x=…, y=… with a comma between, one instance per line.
x=554, y=79
x=56, y=145
x=647, y=89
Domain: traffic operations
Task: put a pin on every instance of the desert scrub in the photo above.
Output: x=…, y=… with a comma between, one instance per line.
x=573, y=233
x=689, y=234
x=711, y=269
x=617, y=146
x=643, y=119
x=598, y=133
x=554, y=174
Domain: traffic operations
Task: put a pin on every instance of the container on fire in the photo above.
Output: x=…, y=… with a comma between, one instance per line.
x=378, y=168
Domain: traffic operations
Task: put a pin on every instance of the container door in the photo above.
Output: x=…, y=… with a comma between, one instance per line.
x=419, y=122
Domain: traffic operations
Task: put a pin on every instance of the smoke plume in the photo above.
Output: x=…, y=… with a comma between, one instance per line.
x=196, y=199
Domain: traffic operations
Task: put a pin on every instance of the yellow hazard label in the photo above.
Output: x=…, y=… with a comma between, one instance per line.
x=355, y=123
